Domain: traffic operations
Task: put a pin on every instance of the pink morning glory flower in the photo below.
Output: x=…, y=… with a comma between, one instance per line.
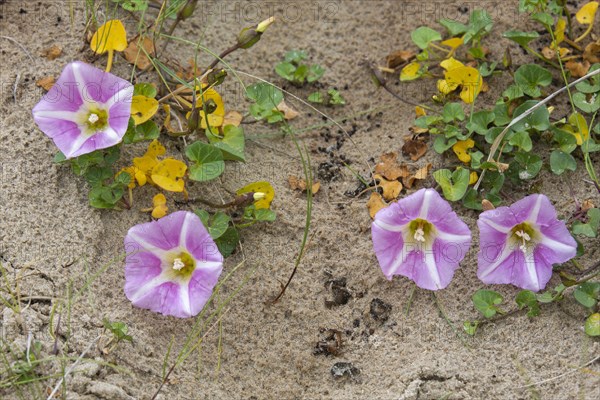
x=420, y=237
x=87, y=109
x=172, y=265
x=519, y=244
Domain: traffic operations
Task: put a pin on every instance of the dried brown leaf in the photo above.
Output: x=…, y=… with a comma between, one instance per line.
x=487, y=205
x=389, y=167
x=391, y=189
x=232, y=118
x=421, y=174
x=586, y=205
x=398, y=58
x=592, y=52
x=288, y=112
x=52, y=52
x=414, y=148
x=548, y=53
x=46, y=82
x=134, y=55
x=300, y=184
x=578, y=69
x=417, y=130
x=375, y=204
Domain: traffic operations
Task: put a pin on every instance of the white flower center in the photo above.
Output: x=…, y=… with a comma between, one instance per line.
x=93, y=118
x=419, y=235
x=525, y=238
x=178, y=264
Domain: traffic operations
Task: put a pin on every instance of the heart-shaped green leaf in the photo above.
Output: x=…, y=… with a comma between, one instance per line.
x=423, y=35
x=486, y=301
x=208, y=161
x=530, y=77
x=520, y=37
x=232, y=144
x=560, y=162
x=454, y=184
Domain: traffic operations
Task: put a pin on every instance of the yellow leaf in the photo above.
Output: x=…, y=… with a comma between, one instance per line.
x=155, y=149
x=168, y=174
x=461, y=149
x=420, y=111
x=470, y=80
x=145, y=164
x=160, y=206
x=578, y=127
x=453, y=43
x=410, y=71
x=451, y=63
x=143, y=108
x=216, y=118
x=136, y=174
x=110, y=36
x=261, y=187
x=473, y=177
x=446, y=87
x=586, y=14
x=559, y=32
x=150, y=159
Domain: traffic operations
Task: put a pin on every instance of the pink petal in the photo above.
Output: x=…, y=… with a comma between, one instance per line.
x=155, y=236
x=198, y=241
x=431, y=268
x=148, y=281
x=388, y=247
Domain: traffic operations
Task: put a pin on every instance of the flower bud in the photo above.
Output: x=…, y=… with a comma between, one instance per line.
x=249, y=36
x=188, y=9
x=259, y=196
x=262, y=27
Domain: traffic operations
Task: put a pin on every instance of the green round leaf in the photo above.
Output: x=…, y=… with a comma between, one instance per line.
x=486, y=301
x=454, y=184
x=539, y=119
x=560, y=162
x=208, y=161
x=232, y=144
x=530, y=77
x=587, y=294
x=592, y=325
x=521, y=38
x=591, y=85
x=423, y=35
x=589, y=103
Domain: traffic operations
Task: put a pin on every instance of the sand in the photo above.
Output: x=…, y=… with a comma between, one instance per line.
x=54, y=241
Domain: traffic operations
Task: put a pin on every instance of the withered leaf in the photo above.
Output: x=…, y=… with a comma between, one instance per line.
x=300, y=184
x=375, y=204
x=414, y=148
x=487, y=205
x=52, y=52
x=232, y=118
x=578, y=69
x=421, y=174
x=398, y=58
x=46, y=82
x=592, y=52
x=134, y=55
x=389, y=167
x=391, y=189
x=586, y=205
x=288, y=112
